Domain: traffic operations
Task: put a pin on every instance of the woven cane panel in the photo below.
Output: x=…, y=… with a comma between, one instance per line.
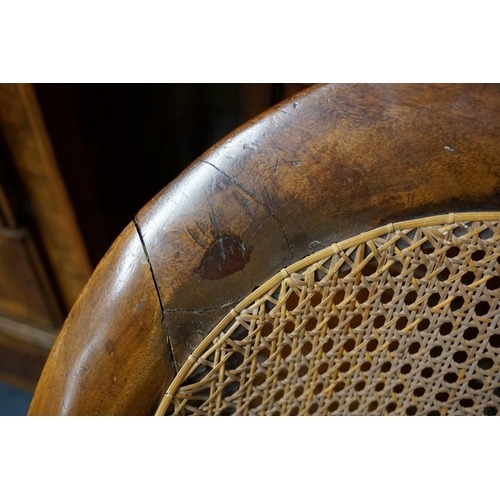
x=405, y=323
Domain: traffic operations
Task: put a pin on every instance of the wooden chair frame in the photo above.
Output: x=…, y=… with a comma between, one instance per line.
x=332, y=162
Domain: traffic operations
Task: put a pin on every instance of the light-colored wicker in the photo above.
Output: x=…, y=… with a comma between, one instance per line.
x=401, y=320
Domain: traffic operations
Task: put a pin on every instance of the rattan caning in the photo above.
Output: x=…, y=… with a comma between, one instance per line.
x=400, y=320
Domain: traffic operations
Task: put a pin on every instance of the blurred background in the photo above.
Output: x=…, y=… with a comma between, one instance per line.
x=77, y=162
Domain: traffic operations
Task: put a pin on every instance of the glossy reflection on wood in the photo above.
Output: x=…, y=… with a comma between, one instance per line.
x=334, y=161
x=112, y=356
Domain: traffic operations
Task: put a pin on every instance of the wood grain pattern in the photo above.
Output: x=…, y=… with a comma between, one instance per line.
x=334, y=161
x=112, y=356
x=22, y=125
x=353, y=330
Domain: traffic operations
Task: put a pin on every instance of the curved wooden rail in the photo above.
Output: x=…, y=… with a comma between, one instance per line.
x=335, y=161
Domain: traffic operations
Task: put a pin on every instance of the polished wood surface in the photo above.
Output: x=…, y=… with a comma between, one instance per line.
x=30, y=148
x=88, y=145
x=334, y=162
x=119, y=362
x=326, y=165
x=116, y=145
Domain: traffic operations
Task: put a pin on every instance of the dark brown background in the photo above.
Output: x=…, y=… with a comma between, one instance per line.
x=118, y=145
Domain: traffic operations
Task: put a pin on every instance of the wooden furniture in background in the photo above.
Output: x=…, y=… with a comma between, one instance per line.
x=323, y=167
x=30, y=314
x=31, y=151
x=76, y=163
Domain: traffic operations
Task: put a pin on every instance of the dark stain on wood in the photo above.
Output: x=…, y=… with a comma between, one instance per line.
x=110, y=347
x=226, y=256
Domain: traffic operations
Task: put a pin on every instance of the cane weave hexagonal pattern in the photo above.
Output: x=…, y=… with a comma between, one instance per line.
x=402, y=320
